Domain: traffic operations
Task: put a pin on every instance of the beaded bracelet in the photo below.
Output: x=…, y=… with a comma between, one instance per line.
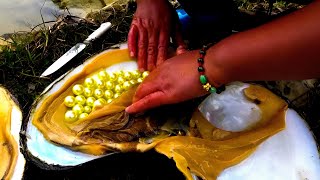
x=203, y=79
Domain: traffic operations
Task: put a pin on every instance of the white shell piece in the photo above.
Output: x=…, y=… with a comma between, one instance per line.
x=291, y=154
x=230, y=110
x=54, y=154
x=16, y=122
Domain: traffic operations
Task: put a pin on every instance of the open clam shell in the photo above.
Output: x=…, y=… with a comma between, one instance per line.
x=12, y=161
x=50, y=155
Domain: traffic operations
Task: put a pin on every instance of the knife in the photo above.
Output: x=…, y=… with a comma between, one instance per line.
x=76, y=50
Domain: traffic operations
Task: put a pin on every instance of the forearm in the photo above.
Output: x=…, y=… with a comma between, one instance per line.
x=285, y=49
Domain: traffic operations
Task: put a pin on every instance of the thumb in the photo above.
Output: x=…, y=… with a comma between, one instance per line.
x=150, y=101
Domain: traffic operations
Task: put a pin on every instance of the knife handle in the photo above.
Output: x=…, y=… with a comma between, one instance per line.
x=97, y=33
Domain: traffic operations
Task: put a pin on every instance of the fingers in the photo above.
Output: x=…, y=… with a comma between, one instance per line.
x=162, y=47
x=132, y=40
x=150, y=101
x=181, y=46
x=142, y=49
x=152, y=50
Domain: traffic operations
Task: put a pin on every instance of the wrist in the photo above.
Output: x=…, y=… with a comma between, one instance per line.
x=215, y=68
x=209, y=82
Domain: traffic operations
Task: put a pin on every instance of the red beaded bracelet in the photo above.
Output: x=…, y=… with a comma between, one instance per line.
x=203, y=78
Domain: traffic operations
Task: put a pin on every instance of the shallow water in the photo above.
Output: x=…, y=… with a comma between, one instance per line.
x=23, y=15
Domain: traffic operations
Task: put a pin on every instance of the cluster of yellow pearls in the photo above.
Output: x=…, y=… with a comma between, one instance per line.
x=99, y=90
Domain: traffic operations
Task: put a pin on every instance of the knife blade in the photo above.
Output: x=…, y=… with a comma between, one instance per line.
x=76, y=50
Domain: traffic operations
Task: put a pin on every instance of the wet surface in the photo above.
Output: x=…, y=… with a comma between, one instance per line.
x=23, y=15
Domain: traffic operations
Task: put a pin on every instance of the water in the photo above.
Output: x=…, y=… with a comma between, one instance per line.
x=23, y=15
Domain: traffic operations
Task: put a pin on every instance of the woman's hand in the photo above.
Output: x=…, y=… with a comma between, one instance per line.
x=149, y=35
x=174, y=81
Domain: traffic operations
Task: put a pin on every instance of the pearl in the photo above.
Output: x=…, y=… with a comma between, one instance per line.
x=136, y=74
x=145, y=74
x=80, y=99
x=99, y=103
x=119, y=73
x=116, y=95
x=139, y=80
x=89, y=82
x=69, y=101
x=83, y=115
x=77, y=109
x=127, y=75
x=87, y=92
x=120, y=80
x=98, y=93
x=109, y=101
x=87, y=109
x=70, y=116
x=112, y=76
x=109, y=85
x=77, y=89
x=103, y=75
x=133, y=82
x=90, y=101
x=100, y=84
x=108, y=94
x=117, y=88
x=126, y=85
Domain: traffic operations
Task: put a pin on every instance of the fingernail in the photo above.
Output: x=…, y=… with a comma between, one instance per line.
x=128, y=109
x=131, y=54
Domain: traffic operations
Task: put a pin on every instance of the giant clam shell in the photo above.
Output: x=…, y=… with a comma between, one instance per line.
x=11, y=120
x=296, y=137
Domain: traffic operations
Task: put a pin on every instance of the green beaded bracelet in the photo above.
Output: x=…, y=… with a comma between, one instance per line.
x=203, y=78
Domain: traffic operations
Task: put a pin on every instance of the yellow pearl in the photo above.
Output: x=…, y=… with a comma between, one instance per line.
x=126, y=85
x=98, y=93
x=69, y=101
x=83, y=115
x=103, y=75
x=145, y=74
x=112, y=76
x=77, y=89
x=127, y=75
x=87, y=109
x=70, y=116
x=133, y=82
x=118, y=88
x=136, y=74
x=139, y=80
x=99, y=103
x=100, y=84
x=119, y=73
x=116, y=95
x=89, y=82
x=80, y=99
x=109, y=101
x=77, y=109
x=87, y=92
x=109, y=85
x=121, y=80
x=108, y=94
x=90, y=101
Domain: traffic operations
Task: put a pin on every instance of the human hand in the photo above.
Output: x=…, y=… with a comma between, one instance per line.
x=149, y=35
x=174, y=81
